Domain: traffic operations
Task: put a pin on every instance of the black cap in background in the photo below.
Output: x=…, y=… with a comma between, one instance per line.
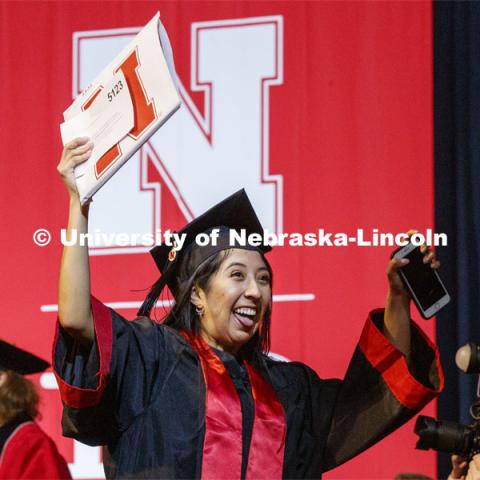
x=20, y=361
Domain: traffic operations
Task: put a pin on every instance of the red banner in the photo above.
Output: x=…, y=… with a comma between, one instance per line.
x=322, y=110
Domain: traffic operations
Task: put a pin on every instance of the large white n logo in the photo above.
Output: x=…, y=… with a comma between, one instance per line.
x=204, y=157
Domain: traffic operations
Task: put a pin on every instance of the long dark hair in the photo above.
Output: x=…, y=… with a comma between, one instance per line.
x=183, y=316
x=18, y=396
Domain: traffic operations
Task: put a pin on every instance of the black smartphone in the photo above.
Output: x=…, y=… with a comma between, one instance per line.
x=422, y=282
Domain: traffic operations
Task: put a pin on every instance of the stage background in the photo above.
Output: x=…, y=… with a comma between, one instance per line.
x=350, y=142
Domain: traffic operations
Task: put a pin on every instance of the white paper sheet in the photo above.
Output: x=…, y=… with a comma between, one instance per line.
x=154, y=80
x=108, y=119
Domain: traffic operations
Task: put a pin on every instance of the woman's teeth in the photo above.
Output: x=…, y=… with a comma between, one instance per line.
x=245, y=316
x=246, y=311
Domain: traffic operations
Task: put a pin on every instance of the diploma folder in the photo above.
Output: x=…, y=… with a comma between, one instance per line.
x=123, y=107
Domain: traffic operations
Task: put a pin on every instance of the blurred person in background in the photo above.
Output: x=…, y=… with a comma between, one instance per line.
x=25, y=449
x=464, y=470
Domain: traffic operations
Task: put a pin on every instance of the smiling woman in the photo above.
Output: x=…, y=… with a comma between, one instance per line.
x=235, y=300
x=197, y=396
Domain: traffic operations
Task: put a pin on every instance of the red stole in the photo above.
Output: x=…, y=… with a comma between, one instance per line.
x=222, y=448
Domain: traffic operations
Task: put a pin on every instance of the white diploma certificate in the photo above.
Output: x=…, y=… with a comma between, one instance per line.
x=123, y=107
x=109, y=119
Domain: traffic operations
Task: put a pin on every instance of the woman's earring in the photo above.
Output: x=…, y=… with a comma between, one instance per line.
x=199, y=311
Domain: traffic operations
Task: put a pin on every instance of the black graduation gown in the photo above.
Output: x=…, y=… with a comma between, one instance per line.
x=140, y=392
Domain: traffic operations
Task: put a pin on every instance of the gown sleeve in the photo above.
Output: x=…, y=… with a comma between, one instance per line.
x=380, y=391
x=125, y=362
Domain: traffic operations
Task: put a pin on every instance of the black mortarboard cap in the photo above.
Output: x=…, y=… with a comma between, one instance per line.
x=20, y=361
x=233, y=213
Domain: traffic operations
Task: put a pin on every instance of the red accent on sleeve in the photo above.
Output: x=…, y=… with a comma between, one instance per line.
x=76, y=397
x=392, y=365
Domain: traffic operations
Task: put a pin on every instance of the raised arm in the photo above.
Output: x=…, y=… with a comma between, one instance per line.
x=74, y=309
x=397, y=305
x=396, y=325
x=382, y=389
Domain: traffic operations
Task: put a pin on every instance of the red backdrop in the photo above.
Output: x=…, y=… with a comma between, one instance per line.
x=350, y=132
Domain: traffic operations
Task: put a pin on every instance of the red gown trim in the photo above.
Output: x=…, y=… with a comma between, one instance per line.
x=222, y=448
x=393, y=367
x=85, y=397
x=268, y=426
